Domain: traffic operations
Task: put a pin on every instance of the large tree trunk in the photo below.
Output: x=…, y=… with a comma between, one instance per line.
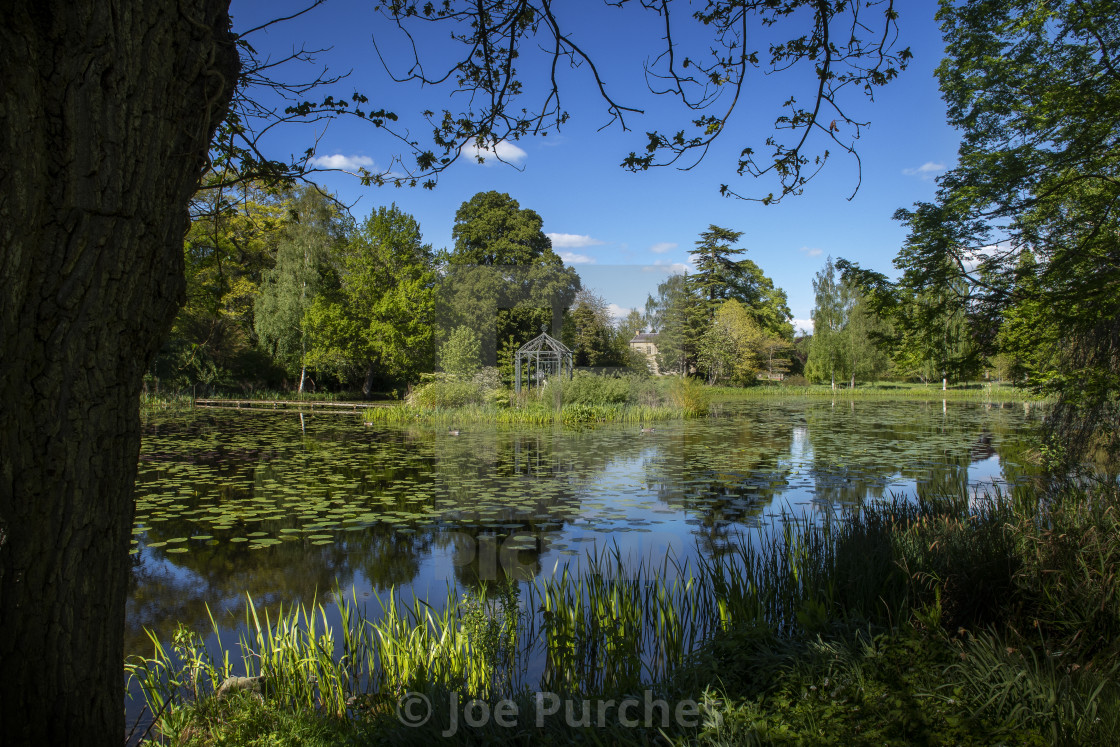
x=107, y=108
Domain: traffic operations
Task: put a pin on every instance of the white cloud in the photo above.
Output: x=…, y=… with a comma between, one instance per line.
x=927, y=170
x=571, y=258
x=618, y=312
x=974, y=257
x=503, y=151
x=572, y=240
x=665, y=267
x=344, y=163
x=810, y=252
x=663, y=247
x=803, y=324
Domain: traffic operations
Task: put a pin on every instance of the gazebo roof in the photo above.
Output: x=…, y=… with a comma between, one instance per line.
x=544, y=342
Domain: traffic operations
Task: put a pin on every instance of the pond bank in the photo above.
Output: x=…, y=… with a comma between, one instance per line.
x=943, y=620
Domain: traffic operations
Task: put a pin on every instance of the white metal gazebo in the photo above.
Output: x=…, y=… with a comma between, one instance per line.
x=543, y=356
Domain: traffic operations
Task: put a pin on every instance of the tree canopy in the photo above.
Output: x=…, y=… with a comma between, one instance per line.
x=1027, y=223
x=502, y=278
x=493, y=229
x=302, y=268
x=700, y=318
x=379, y=319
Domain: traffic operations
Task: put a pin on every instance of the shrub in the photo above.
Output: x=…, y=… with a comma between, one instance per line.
x=500, y=398
x=444, y=391
x=487, y=378
x=589, y=389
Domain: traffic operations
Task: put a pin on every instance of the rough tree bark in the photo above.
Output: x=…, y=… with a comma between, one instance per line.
x=107, y=108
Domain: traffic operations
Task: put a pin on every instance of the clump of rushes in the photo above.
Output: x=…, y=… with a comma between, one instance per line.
x=690, y=396
x=948, y=619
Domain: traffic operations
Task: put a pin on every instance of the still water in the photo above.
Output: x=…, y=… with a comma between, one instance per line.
x=287, y=507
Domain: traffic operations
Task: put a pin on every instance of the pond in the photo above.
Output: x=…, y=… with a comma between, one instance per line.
x=287, y=506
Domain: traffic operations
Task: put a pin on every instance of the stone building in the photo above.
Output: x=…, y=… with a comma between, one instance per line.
x=646, y=344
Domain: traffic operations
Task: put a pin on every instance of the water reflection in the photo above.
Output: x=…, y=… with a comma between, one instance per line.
x=286, y=509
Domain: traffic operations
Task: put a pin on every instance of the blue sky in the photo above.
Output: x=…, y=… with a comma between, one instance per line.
x=625, y=231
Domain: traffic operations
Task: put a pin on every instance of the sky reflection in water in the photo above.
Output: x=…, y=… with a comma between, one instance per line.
x=287, y=509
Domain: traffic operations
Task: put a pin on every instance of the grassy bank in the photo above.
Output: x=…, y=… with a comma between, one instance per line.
x=976, y=392
x=591, y=399
x=532, y=414
x=583, y=400
x=184, y=399
x=936, y=621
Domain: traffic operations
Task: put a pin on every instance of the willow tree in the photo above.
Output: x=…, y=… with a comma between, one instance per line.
x=313, y=235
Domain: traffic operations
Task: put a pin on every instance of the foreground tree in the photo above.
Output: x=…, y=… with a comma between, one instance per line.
x=106, y=113
x=703, y=58
x=1035, y=89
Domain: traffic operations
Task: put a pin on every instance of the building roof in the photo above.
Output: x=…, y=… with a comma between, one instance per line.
x=645, y=337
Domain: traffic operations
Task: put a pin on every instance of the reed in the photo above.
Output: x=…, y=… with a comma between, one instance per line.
x=857, y=600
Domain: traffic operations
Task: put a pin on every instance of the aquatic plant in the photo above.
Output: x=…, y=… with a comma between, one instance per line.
x=995, y=614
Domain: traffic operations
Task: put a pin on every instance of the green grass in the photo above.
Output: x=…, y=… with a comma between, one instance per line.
x=972, y=392
x=932, y=621
x=176, y=400
x=170, y=402
x=533, y=415
x=583, y=400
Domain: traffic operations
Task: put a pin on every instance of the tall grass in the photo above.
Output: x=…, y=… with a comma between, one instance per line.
x=944, y=615
x=583, y=400
x=175, y=401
